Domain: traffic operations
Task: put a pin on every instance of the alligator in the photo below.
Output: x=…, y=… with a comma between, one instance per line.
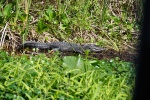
x=61, y=46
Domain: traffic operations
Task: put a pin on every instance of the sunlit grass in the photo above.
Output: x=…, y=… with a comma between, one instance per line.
x=109, y=23
x=69, y=78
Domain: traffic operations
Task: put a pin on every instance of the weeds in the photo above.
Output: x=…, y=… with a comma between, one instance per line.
x=39, y=77
x=109, y=23
x=74, y=21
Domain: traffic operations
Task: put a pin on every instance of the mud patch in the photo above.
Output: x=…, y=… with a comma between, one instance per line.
x=127, y=56
x=110, y=53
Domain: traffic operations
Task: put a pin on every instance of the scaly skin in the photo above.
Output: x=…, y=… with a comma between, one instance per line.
x=61, y=46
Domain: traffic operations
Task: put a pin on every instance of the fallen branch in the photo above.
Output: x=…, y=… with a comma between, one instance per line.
x=3, y=36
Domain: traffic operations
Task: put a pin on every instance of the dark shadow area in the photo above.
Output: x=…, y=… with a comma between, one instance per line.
x=142, y=69
x=125, y=55
x=110, y=53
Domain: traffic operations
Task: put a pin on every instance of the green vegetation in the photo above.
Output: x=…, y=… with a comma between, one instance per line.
x=108, y=23
x=111, y=24
x=68, y=78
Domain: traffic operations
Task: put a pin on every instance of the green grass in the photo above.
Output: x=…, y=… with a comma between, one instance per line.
x=68, y=78
x=108, y=23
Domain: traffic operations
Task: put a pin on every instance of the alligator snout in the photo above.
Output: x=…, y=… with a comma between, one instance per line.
x=93, y=48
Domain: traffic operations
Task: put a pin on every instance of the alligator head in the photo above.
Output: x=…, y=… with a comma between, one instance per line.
x=92, y=47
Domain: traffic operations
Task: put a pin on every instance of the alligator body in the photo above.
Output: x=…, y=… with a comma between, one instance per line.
x=61, y=46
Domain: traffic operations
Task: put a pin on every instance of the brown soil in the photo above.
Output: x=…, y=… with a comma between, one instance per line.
x=110, y=53
x=125, y=55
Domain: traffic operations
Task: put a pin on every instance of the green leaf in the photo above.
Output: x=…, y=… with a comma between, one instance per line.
x=2, y=87
x=22, y=16
x=9, y=96
x=41, y=26
x=7, y=10
x=64, y=19
x=1, y=14
x=1, y=5
x=49, y=14
x=72, y=62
